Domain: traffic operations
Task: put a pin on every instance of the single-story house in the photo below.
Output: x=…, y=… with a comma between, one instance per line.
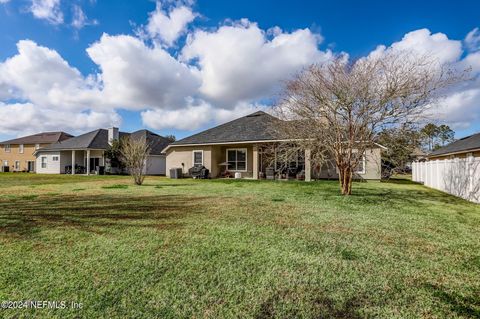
x=454, y=168
x=87, y=151
x=242, y=146
x=17, y=155
x=462, y=148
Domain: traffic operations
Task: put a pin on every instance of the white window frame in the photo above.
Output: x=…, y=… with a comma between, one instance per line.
x=37, y=146
x=193, y=157
x=5, y=163
x=55, y=158
x=8, y=148
x=43, y=163
x=20, y=149
x=246, y=158
x=364, y=165
x=16, y=165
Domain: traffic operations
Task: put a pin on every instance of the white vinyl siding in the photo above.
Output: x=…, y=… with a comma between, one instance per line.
x=46, y=165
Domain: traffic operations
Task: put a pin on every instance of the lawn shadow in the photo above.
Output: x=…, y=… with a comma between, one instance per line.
x=321, y=305
x=465, y=306
x=25, y=218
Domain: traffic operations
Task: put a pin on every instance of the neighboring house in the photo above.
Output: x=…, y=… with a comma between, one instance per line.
x=243, y=143
x=18, y=154
x=461, y=148
x=454, y=168
x=87, y=152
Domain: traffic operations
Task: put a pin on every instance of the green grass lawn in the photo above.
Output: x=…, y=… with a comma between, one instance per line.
x=236, y=249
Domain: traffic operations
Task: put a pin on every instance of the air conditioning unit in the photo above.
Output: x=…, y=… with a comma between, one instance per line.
x=176, y=173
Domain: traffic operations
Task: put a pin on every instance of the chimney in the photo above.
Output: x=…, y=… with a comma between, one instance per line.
x=112, y=134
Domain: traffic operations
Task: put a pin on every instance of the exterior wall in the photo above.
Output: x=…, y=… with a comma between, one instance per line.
x=15, y=155
x=213, y=155
x=93, y=154
x=373, y=167
x=156, y=165
x=459, y=176
x=463, y=154
x=52, y=167
x=222, y=157
x=184, y=154
x=65, y=159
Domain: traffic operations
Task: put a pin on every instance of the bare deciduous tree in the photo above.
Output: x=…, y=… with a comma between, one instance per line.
x=337, y=109
x=134, y=153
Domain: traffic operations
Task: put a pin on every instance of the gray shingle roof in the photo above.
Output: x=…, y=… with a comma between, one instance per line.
x=465, y=144
x=157, y=143
x=40, y=138
x=98, y=139
x=258, y=126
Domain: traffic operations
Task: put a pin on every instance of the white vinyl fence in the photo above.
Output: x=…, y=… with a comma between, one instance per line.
x=457, y=176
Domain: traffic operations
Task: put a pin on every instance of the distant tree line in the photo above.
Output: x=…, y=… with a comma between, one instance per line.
x=407, y=142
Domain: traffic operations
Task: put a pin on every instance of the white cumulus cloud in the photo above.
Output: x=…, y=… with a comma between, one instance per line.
x=167, y=25
x=423, y=42
x=240, y=63
x=472, y=40
x=136, y=76
x=42, y=76
x=80, y=19
x=27, y=118
x=196, y=116
x=48, y=10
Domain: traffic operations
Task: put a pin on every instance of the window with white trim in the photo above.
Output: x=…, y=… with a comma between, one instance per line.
x=197, y=157
x=37, y=146
x=237, y=159
x=20, y=148
x=360, y=169
x=7, y=148
x=55, y=159
x=44, y=161
x=17, y=165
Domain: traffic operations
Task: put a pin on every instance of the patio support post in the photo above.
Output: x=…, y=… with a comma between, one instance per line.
x=255, y=161
x=73, y=162
x=308, y=165
x=88, y=162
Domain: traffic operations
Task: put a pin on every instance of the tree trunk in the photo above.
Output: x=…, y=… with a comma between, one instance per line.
x=345, y=180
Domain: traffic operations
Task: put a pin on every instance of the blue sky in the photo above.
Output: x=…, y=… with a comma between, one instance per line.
x=175, y=86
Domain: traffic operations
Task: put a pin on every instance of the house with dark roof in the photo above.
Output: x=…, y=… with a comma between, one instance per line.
x=86, y=153
x=18, y=154
x=454, y=168
x=241, y=148
x=469, y=145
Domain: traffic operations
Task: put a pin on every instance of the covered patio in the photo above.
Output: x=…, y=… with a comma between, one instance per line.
x=84, y=161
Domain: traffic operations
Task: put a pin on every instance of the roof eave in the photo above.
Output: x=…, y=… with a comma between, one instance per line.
x=470, y=150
